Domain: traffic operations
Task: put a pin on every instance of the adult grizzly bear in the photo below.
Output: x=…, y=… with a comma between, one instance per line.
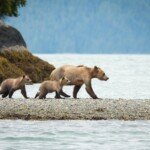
x=9, y=86
x=79, y=75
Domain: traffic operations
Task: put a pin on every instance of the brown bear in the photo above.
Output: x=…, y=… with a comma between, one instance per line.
x=9, y=86
x=79, y=75
x=51, y=86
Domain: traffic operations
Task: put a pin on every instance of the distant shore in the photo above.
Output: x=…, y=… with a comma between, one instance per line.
x=74, y=109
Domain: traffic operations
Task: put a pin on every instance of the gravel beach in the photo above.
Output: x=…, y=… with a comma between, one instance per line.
x=71, y=109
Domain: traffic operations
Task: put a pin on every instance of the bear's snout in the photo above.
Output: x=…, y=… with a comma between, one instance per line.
x=105, y=78
x=29, y=82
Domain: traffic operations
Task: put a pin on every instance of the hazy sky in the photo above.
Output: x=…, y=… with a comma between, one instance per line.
x=85, y=26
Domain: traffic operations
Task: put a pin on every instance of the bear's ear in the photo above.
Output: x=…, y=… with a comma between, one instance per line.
x=95, y=67
x=63, y=78
x=23, y=76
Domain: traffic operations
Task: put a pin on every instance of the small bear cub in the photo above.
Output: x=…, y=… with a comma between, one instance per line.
x=9, y=86
x=51, y=86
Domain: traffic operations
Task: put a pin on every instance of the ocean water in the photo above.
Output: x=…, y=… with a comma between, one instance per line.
x=129, y=78
x=74, y=135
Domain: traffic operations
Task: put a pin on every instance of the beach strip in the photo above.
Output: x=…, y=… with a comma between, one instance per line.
x=75, y=109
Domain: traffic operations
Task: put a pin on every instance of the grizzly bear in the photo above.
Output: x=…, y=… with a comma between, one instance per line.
x=9, y=86
x=79, y=75
x=51, y=86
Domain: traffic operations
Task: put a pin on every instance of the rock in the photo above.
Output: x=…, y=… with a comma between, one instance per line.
x=16, y=60
x=10, y=37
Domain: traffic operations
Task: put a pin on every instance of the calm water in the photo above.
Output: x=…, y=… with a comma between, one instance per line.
x=84, y=135
x=129, y=78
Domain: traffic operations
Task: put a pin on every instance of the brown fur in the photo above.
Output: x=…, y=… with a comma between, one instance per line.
x=51, y=86
x=9, y=86
x=79, y=75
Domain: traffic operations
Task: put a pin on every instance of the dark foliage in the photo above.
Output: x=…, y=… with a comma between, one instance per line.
x=10, y=7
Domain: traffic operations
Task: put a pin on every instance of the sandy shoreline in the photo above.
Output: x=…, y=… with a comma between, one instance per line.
x=71, y=109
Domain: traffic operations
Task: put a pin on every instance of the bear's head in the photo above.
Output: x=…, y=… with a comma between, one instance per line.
x=99, y=73
x=27, y=79
x=64, y=81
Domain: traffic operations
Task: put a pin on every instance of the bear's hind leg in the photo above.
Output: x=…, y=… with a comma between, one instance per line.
x=42, y=95
x=11, y=92
x=1, y=91
x=37, y=94
x=76, y=90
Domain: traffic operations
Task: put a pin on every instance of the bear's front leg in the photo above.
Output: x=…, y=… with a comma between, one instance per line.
x=58, y=95
x=5, y=94
x=23, y=92
x=63, y=93
x=90, y=90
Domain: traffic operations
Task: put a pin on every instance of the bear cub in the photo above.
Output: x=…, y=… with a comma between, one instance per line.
x=51, y=86
x=9, y=86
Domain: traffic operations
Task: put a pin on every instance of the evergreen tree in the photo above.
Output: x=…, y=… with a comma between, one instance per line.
x=10, y=7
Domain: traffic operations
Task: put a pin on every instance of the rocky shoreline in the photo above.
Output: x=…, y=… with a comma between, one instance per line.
x=75, y=109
